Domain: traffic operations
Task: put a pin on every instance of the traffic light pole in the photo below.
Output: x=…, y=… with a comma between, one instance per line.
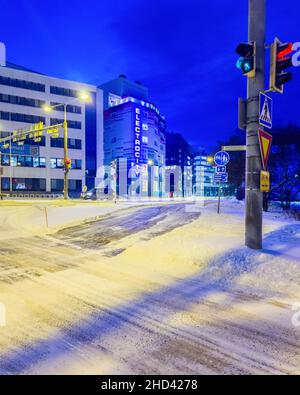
x=66, y=169
x=254, y=197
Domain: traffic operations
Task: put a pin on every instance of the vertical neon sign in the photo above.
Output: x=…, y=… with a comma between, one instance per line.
x=137, y=139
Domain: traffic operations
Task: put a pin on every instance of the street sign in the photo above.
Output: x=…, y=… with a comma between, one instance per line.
x=221, y=178
x=264, y=181
x=233, y=148
x=222, y=158
x=265, y=142
x=221, y=169
x=265, y=110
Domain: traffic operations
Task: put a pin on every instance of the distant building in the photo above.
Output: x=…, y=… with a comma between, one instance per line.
x=203, y=177
x=37, y=167
x=179, y=161
x=134, y=138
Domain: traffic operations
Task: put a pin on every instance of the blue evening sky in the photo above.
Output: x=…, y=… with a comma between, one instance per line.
x=183, y=50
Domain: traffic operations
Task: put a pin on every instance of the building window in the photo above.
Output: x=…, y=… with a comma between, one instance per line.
x=4, y=115
x=71, y=124
x=57, y=184
x=75, y=185
x=76, y=164
x=16, y=83
x=56, y=163
x=26, y=118
x=70, y=108
x=22, y=101
x=145, y=139
x=57, y=90
x=29, y=184
x=72, y=143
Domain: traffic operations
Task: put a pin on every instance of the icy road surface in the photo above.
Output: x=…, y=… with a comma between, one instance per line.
x=152, y=290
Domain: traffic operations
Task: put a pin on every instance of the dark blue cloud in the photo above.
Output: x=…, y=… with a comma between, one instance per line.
x=183, y=50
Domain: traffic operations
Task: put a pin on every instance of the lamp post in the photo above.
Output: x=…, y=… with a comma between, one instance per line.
x=150, y=164
x=84, y=97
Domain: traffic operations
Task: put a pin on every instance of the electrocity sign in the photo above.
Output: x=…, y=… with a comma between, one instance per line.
x=137, y=139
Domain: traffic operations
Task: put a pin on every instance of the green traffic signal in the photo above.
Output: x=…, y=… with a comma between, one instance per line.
x=246, y=65
x=247, y=61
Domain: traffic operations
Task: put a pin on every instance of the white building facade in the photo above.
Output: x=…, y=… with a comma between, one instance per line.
x=37, y=167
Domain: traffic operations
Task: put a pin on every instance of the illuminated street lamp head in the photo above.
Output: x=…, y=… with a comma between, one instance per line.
x=150, y=162
x=210, y=159
x=84, y=96
x=47, y=108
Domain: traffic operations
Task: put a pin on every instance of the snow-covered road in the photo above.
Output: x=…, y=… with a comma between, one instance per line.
x=158, y=289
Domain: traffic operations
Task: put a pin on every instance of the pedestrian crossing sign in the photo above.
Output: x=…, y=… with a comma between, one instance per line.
x=265, y=110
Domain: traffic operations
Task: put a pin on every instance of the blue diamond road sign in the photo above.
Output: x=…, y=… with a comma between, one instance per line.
x=222, y=158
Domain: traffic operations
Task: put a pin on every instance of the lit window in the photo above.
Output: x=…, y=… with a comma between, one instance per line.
x=145, y=139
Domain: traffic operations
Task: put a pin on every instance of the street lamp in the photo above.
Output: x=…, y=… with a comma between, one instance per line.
x=150, y=164
x=84, y=97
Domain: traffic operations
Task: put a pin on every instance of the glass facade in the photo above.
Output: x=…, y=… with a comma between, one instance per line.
x=22, y=101
x=24, y=184
x=25, y=118
x=57, y=90
x=71, y=124
x=23, y=161
x=72, y=143
x=17, y=83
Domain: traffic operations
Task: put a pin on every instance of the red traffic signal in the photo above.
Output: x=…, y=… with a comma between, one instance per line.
x=68, y=163
x=280, y=61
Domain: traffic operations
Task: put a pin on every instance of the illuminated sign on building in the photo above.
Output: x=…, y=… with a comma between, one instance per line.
x=137, y=139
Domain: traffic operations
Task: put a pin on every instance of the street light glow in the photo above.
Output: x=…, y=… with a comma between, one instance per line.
x=84, y=96
x=47, y=108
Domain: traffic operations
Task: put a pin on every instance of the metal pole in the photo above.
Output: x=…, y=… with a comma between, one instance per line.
x=10, y=168
x=219, y=198
x=66, y=169
x=254, y=198
x=1, y=176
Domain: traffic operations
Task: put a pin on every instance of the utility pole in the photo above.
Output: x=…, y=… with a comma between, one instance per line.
x=66, y=169
x=254, y=197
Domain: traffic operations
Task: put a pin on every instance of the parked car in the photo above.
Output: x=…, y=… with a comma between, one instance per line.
x=89, y=195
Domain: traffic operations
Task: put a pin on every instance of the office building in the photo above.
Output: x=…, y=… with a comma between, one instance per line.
x=179, y=170
x=203, y=176
x=134, y=139
x=36, y=166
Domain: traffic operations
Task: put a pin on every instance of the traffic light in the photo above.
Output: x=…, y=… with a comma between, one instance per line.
x=280, y=60
x=247, y=60
x=68, y=163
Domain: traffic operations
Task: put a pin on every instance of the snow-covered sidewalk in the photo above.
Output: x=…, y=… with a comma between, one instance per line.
x=191, y=300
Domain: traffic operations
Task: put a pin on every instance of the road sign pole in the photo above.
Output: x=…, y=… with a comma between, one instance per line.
x=219, y=198
x=254, y=197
